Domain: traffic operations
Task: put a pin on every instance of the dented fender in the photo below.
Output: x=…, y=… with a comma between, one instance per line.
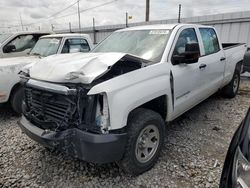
x=129, y=91
x=9, y=68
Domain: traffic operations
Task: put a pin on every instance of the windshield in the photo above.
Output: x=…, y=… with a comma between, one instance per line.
x=147, y=44
x=4, y=37
x=46, y=46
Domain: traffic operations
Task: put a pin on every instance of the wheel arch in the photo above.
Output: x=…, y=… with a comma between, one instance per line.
x=14, y=88
x=158, y=105
x=239, y=66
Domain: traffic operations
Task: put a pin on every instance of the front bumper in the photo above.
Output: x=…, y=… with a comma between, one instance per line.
x=96, y=148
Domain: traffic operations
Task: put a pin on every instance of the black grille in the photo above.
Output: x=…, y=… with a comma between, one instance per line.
x=50, y=110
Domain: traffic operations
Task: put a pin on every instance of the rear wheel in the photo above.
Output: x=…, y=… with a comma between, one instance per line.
x=145, y=140
x=16, y=100
x=230, y=90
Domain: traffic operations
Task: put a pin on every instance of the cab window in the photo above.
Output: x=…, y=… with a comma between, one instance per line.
x=75, y=45
x=210, y=40
x=187, y=36
x=187, y=48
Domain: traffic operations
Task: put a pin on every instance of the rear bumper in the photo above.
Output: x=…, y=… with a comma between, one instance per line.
x=96, y=148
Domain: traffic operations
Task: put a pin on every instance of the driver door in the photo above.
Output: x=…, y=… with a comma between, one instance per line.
x=186, y=84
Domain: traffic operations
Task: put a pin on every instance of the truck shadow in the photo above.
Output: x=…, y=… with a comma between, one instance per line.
x=6, y=112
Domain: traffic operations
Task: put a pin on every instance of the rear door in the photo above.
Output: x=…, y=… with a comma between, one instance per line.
x=214, y=60
x=185, y=78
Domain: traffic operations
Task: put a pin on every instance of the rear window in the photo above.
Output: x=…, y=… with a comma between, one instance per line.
x=210, y=40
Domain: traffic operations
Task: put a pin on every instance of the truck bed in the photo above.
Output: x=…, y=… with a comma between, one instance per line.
x=230, y=45
x=234, y=52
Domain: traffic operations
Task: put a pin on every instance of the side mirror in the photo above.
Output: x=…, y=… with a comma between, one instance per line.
x=74, y=50
x=9, y=48
x=236, y=170
x=191, y=55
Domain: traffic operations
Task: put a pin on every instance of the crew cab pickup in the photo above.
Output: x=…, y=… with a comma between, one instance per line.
x=19, y=43
x=10, y=88
x=112, y=104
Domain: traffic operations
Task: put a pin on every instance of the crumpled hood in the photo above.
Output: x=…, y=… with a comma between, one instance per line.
x=74, y=68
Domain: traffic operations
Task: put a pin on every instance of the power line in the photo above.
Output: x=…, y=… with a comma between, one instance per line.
x=53, y=18
x=85, y=10
x=49, y=17
x=59, y=12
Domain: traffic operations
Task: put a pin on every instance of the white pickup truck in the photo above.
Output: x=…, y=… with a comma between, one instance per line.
x=112, y=104
x=10, y=88
x=19, y=43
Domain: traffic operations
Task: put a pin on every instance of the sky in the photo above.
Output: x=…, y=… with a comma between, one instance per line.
x=40, y=14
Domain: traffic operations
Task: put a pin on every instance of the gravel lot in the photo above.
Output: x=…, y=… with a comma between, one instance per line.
x=193, y=156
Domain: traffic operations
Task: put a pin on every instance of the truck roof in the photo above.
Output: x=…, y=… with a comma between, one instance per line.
x=157, y=26
x=66, y=35
x=28, y=32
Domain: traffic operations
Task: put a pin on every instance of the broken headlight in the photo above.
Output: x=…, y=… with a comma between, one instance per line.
x=102, y=113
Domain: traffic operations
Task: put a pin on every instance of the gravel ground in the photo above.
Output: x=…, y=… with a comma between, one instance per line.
x=193, y=155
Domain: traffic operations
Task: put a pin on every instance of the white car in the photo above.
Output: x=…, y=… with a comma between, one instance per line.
x=19, y=43
x=10, y=88
x=112, y=104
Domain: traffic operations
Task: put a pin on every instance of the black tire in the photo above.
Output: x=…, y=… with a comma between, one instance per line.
x=16, y=100
x=231, y=90
x=139, y=120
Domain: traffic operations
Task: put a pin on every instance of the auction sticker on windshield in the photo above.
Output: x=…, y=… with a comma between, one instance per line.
x=159, y=32
x=54, y=41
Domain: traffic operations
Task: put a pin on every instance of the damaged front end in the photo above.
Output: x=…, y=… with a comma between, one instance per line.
x=65, y=117
x=57, y=108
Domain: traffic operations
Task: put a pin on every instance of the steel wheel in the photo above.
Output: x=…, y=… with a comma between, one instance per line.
x=147, y=143
x=235, y=83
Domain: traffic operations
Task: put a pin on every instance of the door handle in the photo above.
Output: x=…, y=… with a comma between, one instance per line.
x=202, y=66
x=222, y=59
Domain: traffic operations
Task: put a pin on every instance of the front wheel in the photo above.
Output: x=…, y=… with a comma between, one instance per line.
x=230, y=90
x=145, y=139
x=16, y=100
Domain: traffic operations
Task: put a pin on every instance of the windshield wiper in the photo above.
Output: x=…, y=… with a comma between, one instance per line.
x=36, y=54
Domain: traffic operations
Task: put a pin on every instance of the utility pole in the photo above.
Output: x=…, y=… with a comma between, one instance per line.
x=147, y=10
x=79, y=16
x=52, y=27
x=126, y=19
x=179, y=15
x=94, y=31
x=21, y=20
x=70, y=27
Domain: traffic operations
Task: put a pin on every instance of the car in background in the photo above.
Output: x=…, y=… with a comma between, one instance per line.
x=10, y=88
x=236, y=170
x=19, y=43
